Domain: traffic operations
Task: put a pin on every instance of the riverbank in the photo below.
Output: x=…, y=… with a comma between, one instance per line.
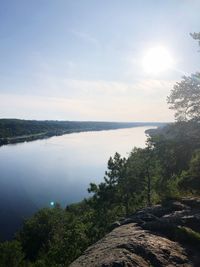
x=18, y=131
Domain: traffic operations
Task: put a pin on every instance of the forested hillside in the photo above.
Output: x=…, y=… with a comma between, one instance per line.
x=14, y=130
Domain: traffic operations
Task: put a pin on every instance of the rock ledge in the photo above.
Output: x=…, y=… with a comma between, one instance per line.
x=167, y=235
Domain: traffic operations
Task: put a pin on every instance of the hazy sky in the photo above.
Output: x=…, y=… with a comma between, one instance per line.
x=82, y=59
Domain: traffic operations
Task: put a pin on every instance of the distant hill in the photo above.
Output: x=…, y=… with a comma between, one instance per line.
x=15, y=130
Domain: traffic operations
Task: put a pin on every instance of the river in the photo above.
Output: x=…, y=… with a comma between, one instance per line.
x=57, y=169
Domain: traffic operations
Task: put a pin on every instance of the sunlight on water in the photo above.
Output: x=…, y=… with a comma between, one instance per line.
x=59, y=168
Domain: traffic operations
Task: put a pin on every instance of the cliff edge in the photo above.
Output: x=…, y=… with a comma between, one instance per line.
x=162, y=235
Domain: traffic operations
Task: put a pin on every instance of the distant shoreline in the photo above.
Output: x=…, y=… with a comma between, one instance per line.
x=14, y=131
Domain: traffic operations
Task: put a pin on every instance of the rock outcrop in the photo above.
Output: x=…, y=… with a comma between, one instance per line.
x=167, y=235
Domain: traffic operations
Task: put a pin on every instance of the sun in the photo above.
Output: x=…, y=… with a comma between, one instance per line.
x=157, y=59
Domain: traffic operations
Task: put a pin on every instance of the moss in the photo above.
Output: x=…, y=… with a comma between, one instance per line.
x=186, y=234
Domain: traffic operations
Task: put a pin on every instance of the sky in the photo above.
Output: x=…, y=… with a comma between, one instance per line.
x=82, y=59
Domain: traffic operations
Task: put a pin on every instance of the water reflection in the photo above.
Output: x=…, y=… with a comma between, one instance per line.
x=58, y=169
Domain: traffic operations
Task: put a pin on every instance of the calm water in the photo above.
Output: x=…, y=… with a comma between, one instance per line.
x=56, y=169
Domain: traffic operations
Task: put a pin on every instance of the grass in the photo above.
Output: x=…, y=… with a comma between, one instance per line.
x=187, y=235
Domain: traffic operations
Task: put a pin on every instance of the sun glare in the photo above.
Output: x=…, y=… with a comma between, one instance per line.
x=157, y=59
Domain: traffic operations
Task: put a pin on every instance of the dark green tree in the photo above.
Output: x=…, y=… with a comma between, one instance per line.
x=190, y=179
x=140, y=174
x=106, y=200
x=11, y=254
x=185, y=98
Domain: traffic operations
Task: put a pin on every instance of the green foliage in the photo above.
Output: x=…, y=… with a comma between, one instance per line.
x=190, y=179
x=174, y=146
x=55, y=237
x=106, y=200
x=11, y=254
x=188, y=235
x=37, y=232
x=185, y=98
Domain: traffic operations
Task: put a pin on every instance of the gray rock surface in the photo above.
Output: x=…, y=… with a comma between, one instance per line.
x=153, y=237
